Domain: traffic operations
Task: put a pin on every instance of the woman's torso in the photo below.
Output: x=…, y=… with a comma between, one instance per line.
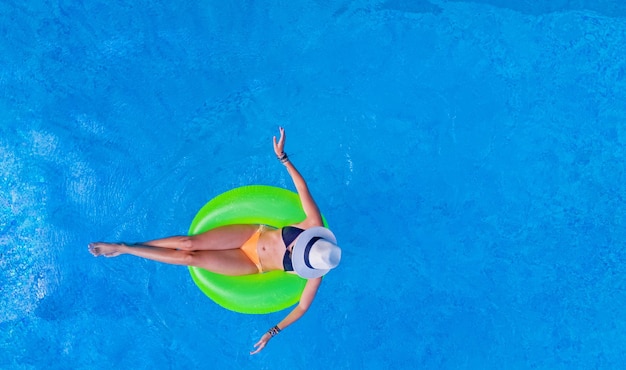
x=271, y=247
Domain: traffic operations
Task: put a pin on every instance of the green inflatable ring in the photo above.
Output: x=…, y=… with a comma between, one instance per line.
x=258, y=293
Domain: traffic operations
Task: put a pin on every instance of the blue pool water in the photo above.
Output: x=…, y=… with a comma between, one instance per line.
x=469, y=156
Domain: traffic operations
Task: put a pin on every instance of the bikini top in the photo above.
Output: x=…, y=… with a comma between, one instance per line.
x=289, y=234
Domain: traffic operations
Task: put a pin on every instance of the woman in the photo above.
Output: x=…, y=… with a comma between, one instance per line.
x=306, y=248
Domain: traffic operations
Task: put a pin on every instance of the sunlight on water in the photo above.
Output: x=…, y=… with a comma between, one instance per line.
x=26, y=263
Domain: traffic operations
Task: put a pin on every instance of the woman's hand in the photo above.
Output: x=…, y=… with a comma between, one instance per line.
x=261, y=343
x=279, y=148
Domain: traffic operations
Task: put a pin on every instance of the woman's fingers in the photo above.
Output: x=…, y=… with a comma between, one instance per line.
x=282, y=136
x=279, y=146
x=259, y=346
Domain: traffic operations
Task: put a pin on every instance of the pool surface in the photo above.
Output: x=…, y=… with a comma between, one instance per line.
x=468, y=155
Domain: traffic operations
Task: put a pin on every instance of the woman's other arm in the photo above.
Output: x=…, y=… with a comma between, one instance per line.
x=308, y=294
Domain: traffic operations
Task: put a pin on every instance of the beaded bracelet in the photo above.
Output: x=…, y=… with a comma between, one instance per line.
x=283, y=158
x=274, y=331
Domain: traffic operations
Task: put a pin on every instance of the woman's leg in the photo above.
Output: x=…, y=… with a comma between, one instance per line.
x=221, y=238
x=227, y=262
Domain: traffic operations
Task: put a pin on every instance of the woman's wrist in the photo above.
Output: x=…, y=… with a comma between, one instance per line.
x=274, y=331
x=283, y=158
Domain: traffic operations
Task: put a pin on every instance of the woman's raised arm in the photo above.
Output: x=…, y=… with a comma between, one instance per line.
x=312, y=212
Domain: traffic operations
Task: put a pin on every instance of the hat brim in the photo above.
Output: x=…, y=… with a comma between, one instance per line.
x=297, y=254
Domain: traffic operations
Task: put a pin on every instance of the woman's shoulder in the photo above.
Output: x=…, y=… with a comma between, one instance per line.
x=307, y=224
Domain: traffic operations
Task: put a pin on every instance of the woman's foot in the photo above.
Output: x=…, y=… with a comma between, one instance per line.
x=105, y=249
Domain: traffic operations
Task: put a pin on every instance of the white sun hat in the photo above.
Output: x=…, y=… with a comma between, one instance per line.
x=315, y=252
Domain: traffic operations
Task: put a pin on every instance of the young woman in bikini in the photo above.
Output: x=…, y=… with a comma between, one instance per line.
x=306, y=248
